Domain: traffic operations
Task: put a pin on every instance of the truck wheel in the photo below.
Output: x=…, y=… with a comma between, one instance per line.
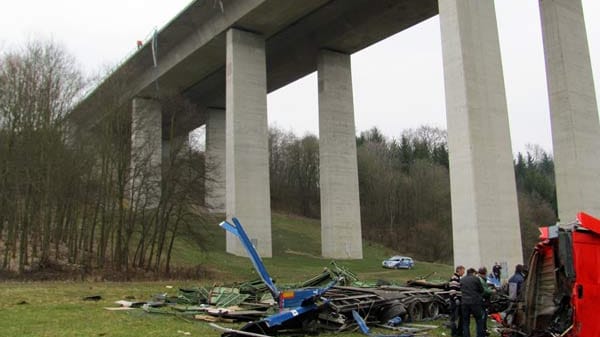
x=415, y=311
x=391, y=311
x=431, y=310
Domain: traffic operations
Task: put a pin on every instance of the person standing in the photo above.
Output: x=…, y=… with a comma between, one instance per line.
x=516, y=281
x=472, y=303
x=455, y=314
x=487, y=296
x=497, y=270
x=495, y=277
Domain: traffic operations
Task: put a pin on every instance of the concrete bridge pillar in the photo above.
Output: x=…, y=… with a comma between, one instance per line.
x=340, y=208
x=247, y=153
x=573, y=108
x=215, y=161
x=485, y=218
x=146, y=151
x=174, y=149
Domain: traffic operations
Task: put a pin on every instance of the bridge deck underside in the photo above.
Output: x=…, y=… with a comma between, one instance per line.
x=191, y=49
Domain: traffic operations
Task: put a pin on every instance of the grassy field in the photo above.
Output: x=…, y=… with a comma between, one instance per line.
x=57, y=309
x=296, y=251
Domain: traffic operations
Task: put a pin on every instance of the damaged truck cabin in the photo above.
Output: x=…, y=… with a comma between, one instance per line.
x=562, y=290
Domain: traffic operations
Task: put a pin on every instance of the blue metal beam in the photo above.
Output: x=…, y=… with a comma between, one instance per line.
x=237, y=230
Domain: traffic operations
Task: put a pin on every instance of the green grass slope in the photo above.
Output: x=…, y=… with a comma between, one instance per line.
x=296, y=255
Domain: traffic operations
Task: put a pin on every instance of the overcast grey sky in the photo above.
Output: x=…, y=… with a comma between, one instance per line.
x=398, y=83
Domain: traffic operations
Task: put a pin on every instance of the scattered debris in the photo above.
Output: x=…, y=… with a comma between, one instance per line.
x=323, y=303
x=365, y=329
x=128, y=304
x=328, y=298
x=236, y=332
x=92, y=298
x=118, y=308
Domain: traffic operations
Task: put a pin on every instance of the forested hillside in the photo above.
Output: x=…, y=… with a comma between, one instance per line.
x=405, y=188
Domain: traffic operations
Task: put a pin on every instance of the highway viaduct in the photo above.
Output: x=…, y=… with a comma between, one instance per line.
x=225, y=56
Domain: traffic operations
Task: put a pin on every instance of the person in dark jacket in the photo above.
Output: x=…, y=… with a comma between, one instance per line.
x=455, y=314
x=472, y=303
x=517, y=279
x=494, y=276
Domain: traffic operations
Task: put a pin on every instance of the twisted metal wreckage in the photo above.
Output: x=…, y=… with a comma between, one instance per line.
x=333, y=301
x=564, y=263
x=335, y=306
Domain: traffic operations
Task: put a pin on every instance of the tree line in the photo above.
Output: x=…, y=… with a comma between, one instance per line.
x=76, y=198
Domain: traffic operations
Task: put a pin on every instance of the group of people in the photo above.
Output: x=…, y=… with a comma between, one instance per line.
x=470, y=295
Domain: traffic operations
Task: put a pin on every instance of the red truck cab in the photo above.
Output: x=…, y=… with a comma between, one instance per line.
x=586, y=288
x=562, y=290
